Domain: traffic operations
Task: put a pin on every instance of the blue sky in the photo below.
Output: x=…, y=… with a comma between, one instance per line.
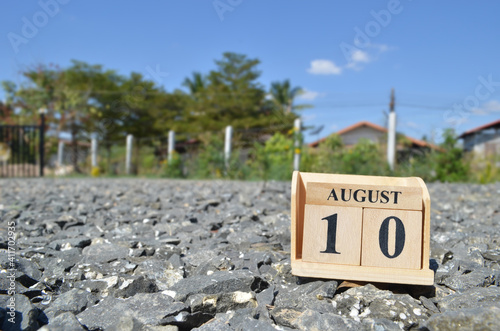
x=441, y=57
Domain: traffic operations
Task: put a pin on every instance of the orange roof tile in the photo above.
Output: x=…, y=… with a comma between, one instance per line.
x=417, y=142
x=480, y=128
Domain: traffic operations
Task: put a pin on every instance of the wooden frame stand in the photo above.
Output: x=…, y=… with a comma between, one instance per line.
x=361, y=228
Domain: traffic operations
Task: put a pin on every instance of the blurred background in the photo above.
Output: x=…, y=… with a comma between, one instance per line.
x=246, y=89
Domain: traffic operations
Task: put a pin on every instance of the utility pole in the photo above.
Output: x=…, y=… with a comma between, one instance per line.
x=128, y=155
x=391, y=136
x=41, y=147
x=227, y=146
x=297, y=150
x=171, y=145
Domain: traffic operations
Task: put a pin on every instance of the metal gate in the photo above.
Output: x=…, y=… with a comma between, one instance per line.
x=21, y=152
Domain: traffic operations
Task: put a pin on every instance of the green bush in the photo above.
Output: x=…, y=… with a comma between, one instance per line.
x=450, y=165
x=274, y=159
x=148, y=162
x=365, y=158
x=417, y=166
x=327, y=157
x=236, y=168
x=173, y=168
x=209, y=163
x=485, y=170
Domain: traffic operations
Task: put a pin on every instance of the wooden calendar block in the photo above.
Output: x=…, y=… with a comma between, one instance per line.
x=332, y=234
x=392, y=238
x=361, y=228
x=364, y=195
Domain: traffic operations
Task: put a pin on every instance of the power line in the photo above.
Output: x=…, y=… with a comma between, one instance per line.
x=135, y=91
x=424, y=107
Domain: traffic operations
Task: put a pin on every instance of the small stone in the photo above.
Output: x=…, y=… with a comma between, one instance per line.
x=429, y=304
x=487, y=318
x=62, y=322
x=286, y=316
x=133, y=286
x=146, y=308
x=480, y=297
x=27, y=316
x=101, y=253
x=478, y=278
x=218, y=282
x=126, y=323
x=313, y=320
x=73, y=301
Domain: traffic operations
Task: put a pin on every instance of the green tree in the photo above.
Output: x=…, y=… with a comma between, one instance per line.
x=450, y=165
x=327, y=156
x=283, y=96
x=274, y=159
x=365, y=158
x=232, y=95
x=196, y=85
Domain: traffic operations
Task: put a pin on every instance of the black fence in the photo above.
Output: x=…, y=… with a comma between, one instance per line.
x=21, y=150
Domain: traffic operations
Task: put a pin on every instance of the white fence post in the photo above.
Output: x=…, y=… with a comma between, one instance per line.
x=60, y=153
x=93, y=151
x=227, y=145
x=391, y=135
x=297, y=150
x=171, y=144
x=391, y=140
x=128, y=157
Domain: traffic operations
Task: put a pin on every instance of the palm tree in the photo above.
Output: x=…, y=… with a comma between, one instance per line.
x=197, y=84
x=283, y=95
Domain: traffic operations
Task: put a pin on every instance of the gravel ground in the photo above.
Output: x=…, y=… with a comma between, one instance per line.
x=133, y=254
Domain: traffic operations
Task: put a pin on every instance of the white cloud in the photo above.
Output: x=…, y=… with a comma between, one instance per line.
x=324, y=67
x=382, y=48
x=370, y=53
x=357, y=58
x=360, y=56
x=413, y=125
x=309, y=95
x=489, y=107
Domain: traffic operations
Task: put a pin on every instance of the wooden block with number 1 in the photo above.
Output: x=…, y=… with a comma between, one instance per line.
x=330, y=241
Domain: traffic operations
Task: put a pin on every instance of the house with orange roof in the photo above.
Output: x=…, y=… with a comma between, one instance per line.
x=378, y=134
x=484, y=140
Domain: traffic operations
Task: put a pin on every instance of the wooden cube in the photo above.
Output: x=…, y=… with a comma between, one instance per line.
x=392, y=238
x=332, y=234
x=362, y=228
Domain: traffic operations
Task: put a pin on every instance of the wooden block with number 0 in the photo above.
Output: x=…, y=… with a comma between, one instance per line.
x=392, y=238
x=362, y=228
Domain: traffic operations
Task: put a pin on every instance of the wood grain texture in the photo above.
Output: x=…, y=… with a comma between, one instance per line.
x=347, y=238
x=365, y=195
x=363, y=273
x=426, y=226
x=298, y=197
x=374, y=253
x=420, y=275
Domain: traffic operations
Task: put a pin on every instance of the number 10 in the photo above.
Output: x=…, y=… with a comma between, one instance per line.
x=383, y=236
